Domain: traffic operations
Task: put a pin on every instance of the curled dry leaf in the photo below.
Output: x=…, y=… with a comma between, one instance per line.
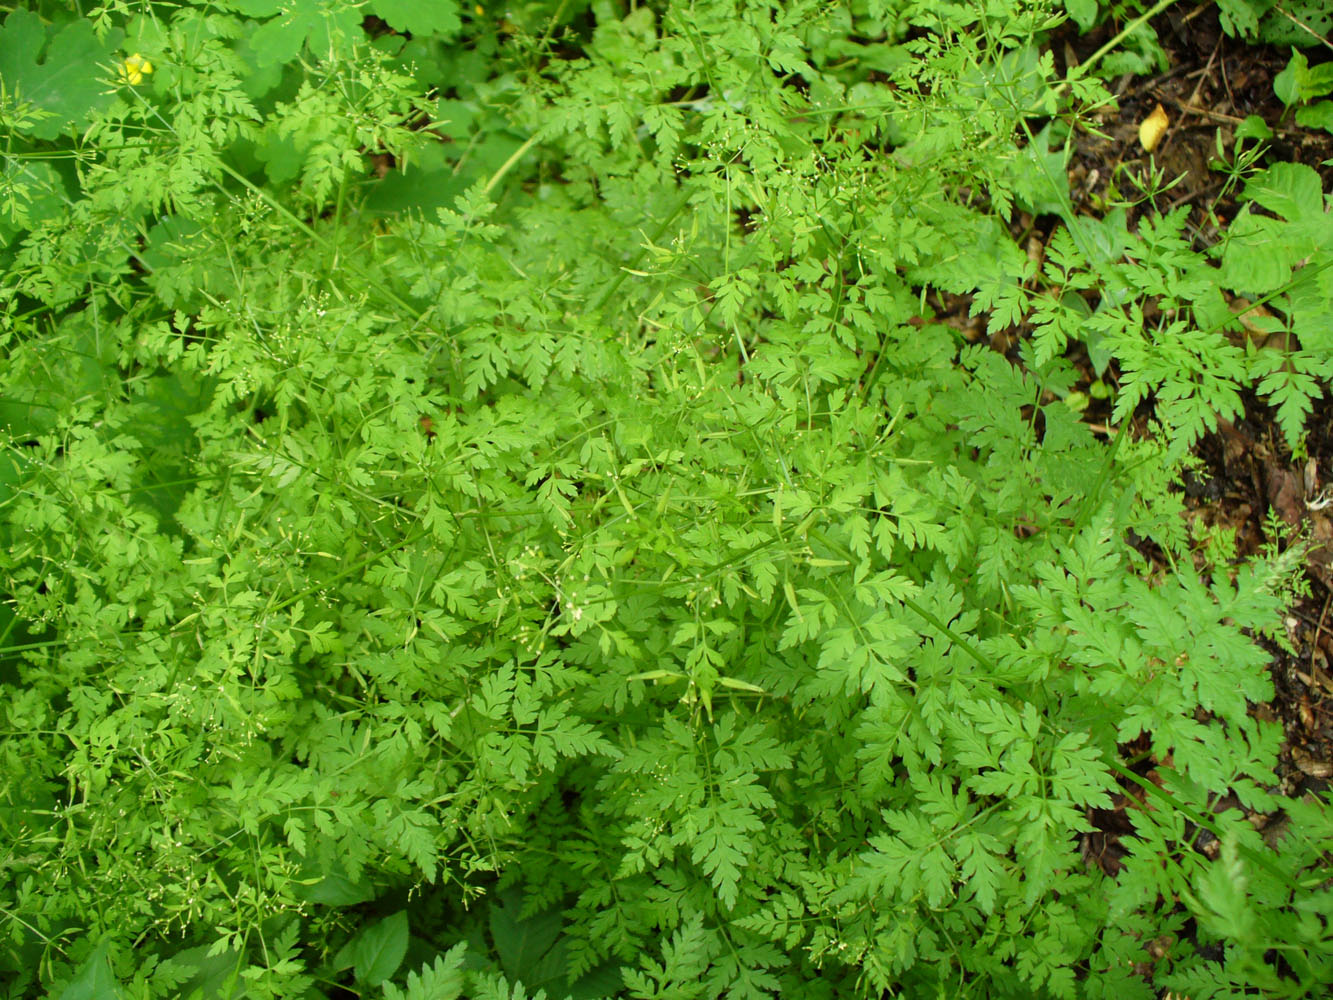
x=1152, y=128
x=1311, y=766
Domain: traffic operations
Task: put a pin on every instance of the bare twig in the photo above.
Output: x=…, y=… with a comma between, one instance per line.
x=1303, y=26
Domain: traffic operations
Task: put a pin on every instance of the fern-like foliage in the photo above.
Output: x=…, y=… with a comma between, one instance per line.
x=491, y=510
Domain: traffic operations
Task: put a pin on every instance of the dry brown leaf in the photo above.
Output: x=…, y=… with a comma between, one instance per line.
x=1309, y=765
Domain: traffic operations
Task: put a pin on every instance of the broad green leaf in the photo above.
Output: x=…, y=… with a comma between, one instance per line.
x=423, y=18
x=1253, y=127
x=255, y=8
x=378, y=950
x=428, y=182
x=1302, y=23
x=525, y=945
x=1292, y=190
x=65, y=76
x=1083, y=12
x=94, y=979
x=213, y=976
x=1319, y=115
x=336, y=890
x=31, y=191
x=325, y=26
x=1250, y=264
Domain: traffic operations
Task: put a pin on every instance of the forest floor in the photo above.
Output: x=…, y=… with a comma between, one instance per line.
x=1246, y=472
x=1246, y=469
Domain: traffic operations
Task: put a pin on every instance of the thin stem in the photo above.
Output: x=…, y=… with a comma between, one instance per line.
x=1119, y=37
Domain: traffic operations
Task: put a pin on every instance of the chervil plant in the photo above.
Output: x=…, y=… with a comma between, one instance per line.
x=491, y=511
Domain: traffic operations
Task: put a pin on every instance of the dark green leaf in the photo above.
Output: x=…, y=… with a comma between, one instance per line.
x=378, y=950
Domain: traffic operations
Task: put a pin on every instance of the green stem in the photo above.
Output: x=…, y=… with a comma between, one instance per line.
x=1124, y=33
x=508, y=164
x=376, y=285
x=610, y=289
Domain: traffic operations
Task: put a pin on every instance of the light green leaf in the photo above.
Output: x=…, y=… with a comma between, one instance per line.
x=65, y=79
x=324, y=27
x=1292, y=190
x=442, y=980
x=1253, y=127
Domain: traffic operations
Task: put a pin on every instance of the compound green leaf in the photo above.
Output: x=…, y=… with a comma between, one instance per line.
x=441, y=980
x=1239, y=17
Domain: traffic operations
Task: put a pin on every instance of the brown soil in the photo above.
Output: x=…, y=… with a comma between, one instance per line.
x=1213, y=84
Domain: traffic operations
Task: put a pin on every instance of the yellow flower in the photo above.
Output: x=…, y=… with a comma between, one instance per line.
x=133, y=69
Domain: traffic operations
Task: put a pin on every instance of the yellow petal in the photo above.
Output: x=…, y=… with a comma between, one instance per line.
x=134, y=68
x=1152, y=128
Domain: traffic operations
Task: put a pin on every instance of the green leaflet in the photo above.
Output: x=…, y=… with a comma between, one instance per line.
x=441, y=980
